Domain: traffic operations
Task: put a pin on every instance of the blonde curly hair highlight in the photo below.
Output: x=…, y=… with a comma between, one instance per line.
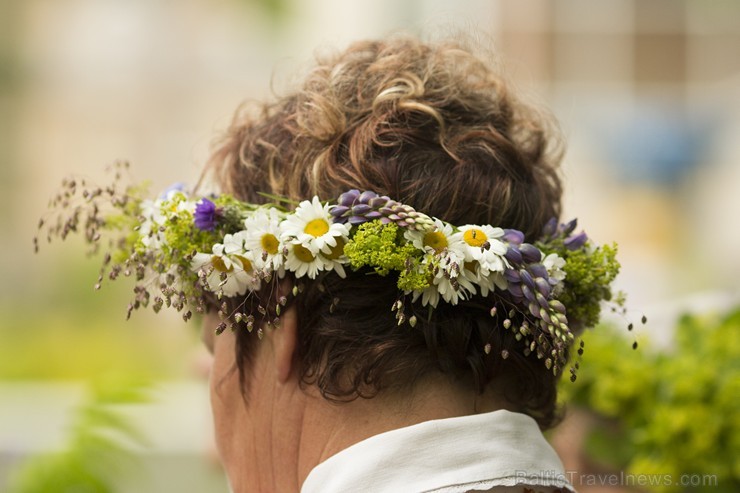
x=409, y=120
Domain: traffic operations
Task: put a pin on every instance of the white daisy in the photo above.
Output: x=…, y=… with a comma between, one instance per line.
x=454, y=293
x=237, y=266
x=302, y=261
x=262, y=236
x=429, y=296
x=441, y=239
x=486, y=280
x=446, y=250
x=449, y=279
x=233, y=245
x=311, y=226
x=442, y=286
x=336, y=259
x=482, y=245
x=235, y=249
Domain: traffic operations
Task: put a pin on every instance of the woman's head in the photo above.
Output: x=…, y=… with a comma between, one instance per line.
x=431, y=126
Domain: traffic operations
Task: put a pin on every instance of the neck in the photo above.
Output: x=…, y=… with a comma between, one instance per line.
x=327, y=428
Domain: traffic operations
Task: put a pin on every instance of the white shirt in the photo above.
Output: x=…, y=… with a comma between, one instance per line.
x=454, y=455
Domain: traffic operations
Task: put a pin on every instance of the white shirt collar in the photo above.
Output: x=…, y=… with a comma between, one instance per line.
x=451, y=455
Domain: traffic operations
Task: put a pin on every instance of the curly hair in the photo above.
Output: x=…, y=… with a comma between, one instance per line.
x=432, y=126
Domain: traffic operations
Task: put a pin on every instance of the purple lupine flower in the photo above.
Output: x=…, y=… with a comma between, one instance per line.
x=569, y=227
x=513, y=255
x=358, y=207
x=206, y=215
x=513, y=236
x=576, y=241
x=550, y=229
x=572, y=242
x=347, y=199
x=530, y=253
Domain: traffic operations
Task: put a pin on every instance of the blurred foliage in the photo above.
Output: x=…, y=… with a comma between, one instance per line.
x=10, y=87
x=676, y=411
x=98, y=446
x=275, y=9
x=55, y=326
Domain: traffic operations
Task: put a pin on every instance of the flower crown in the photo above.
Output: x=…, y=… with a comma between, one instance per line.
x=184, y=250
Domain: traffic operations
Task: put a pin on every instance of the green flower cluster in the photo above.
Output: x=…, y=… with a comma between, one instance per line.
x=589, y=273
x=383, y=247
x=181, y=236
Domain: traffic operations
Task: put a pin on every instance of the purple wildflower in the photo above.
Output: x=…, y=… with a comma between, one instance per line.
x=206, y=215
x=553, y=231
x=530, y=253
x=567, y=228
x=358, y=207
x=575, y=242
x=550, y=229
x=513, y=255
x=513, y=236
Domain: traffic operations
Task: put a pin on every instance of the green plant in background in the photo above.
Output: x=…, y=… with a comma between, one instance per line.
x=676, y=411
x=81, y=332
x=98, y=449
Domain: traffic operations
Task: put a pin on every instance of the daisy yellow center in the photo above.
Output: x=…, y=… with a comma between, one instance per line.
x=269, y=243
x=316, y=228
x=219, y=264
x=435, y=240
x=303, y=254
x=246, y=264
x=336, y=251
x=475, y=237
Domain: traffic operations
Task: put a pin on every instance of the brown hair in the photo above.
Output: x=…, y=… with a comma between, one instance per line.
x=431, y=126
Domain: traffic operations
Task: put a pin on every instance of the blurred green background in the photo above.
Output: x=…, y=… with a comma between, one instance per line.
x=647, y=92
